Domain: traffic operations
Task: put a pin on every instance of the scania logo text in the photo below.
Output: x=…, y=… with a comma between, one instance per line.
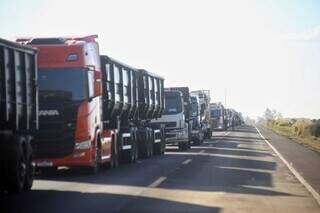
x=53, y=112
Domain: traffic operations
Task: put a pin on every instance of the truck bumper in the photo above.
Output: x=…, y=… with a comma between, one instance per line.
x=77, y=158
x=176, y=136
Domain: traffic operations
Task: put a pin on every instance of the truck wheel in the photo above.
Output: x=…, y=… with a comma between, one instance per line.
x=17, y=167
x=94, y=169
x=30, y=170
x=143, y=143
x=114, y=158
x=183, y=146
x=150, y=143
x=136, y=147
x=128, y=156
x=163, y=141
x=157, y=148
x=196, y=141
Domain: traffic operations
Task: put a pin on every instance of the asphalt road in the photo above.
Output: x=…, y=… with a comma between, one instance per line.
x=304, y=160
x=235, y=171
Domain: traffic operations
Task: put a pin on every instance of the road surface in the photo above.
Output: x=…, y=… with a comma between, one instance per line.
x=235, y=171
x=304, y=160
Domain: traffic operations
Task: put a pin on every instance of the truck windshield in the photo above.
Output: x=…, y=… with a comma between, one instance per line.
x=62, y=84
x=215, y=113
x=173, y=104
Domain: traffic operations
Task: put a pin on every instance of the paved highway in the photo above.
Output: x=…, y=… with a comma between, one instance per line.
x=235, y=171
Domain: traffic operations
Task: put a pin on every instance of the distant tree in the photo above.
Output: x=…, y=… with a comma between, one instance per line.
x=269, y=114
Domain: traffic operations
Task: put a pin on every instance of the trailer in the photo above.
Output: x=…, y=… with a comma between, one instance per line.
x=132, y=98
x=19, y=115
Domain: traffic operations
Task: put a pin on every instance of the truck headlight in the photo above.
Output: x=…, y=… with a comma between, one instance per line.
x=83, y=144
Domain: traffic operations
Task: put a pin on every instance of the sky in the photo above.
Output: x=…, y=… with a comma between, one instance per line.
x=257, y=54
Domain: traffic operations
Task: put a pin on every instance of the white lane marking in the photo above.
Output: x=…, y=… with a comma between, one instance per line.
x=156, y=131
x=313, y=192
x=202, y=151
x=125, y=147
x=186, y=161
x=157, y=182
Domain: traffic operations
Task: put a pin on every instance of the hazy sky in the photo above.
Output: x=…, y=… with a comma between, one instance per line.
x=263, y=53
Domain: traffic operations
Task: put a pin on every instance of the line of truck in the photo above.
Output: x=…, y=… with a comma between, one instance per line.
x=63, y=103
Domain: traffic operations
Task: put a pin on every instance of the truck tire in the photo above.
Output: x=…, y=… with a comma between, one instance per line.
x=94, y=169
x=197, y=141
x=157, y=147
x=114, y=158
x=142, y=141
x=183, y=146
x=150, y=143
x=16, y=166
x=129, y=156
x=163, y=141
x=136, y=151
x=30, y=169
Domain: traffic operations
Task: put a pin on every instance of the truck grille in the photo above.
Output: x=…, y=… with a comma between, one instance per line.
x=53, y=141
x=170, y=124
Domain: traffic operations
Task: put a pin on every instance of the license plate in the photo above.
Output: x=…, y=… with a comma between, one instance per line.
x=44, y=164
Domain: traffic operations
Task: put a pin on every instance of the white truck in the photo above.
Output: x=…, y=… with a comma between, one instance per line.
x=176, y=117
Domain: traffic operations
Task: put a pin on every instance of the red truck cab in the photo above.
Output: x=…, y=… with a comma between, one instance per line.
x=69, y=80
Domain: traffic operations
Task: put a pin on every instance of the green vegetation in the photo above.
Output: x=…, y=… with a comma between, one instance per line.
x=303, y=131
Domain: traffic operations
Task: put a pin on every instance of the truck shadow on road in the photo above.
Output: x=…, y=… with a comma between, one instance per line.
x=70, y=201
x=206, y=173
x=221, y=166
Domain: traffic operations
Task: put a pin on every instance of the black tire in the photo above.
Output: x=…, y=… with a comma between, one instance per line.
x=30, y=169
x=16, y=166
x=142, y=142
x=150, y=143
x=183, y=146
x=157, y=147
x=136, y=147
x=114, y=158
x=95, y=168
x=128, y=156
x=196, y=141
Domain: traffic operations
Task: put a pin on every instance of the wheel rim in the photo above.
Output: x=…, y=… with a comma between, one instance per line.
x=22, y=167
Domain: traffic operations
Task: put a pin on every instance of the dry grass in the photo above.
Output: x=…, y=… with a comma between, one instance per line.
x=302, y=131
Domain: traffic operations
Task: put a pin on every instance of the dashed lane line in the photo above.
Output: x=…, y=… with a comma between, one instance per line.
x=187, y=161
x=157, y=182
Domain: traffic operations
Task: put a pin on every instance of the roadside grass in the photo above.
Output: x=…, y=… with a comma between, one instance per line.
x=302, y=131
